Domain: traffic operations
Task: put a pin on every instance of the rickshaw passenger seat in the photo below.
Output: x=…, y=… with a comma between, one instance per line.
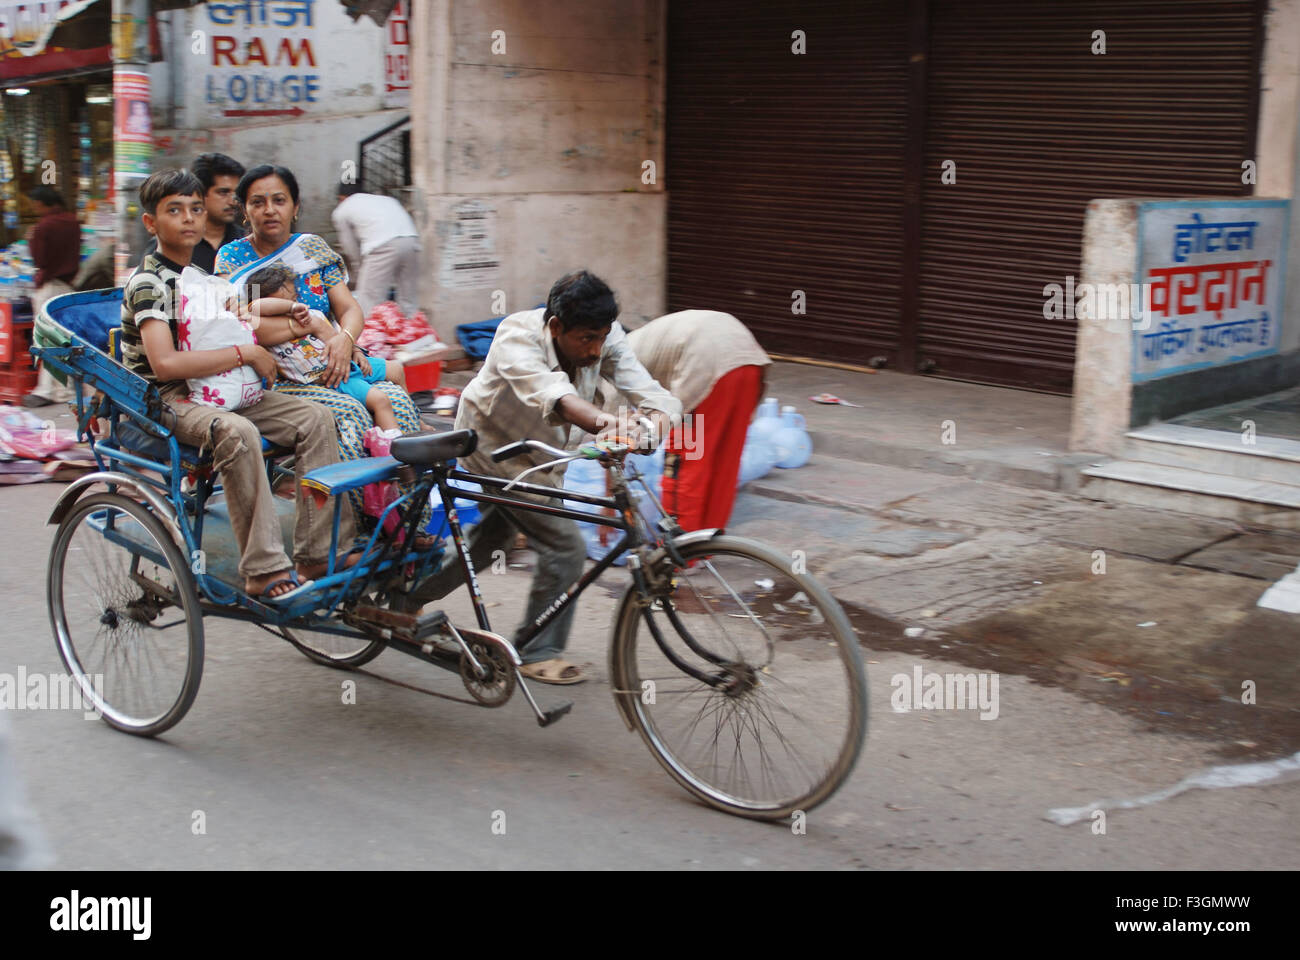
x=135, y=440
x=336, y=478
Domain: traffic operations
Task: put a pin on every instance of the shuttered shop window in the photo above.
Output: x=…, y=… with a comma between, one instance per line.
x=1037, y=125
x=784, y=171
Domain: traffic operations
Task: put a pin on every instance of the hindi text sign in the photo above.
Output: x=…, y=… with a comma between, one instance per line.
x=1213, y=275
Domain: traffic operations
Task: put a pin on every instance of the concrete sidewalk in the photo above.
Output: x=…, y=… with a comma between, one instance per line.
x=941, y=426
x=921, y=423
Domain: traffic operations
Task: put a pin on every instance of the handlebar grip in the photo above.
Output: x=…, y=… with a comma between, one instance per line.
x=509, y=451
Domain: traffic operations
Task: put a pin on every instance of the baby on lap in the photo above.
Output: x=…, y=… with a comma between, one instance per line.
x=302, y=359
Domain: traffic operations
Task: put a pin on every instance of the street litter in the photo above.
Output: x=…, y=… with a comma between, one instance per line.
x=832, y=399
x=913, y=631
x=1147, y=623
x=765, y=584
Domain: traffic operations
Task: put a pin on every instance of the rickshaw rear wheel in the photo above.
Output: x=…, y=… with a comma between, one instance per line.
x=341, y=651
x=125, y=614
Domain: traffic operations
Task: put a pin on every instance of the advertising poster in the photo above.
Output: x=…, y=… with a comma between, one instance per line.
x=132, y=125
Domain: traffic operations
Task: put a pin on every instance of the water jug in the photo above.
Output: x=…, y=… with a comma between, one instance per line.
x=467, y=511
x=756, y=460
x=652, y=467
x=791, y=440
x=588, y=476
x=766, y=421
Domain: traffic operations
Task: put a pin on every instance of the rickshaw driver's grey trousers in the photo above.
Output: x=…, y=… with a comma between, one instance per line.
x=561, y=558
x=235, y=440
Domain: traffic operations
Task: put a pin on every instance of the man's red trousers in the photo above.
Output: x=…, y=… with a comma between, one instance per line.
x=703, y=456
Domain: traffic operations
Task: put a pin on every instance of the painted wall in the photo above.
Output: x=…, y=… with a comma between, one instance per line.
x=293, y=82
x=1279, y=116
x=1278, y=150
x=533, y=122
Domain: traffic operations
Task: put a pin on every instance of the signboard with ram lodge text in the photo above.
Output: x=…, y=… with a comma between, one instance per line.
x=260, y=61
x=1212, y=275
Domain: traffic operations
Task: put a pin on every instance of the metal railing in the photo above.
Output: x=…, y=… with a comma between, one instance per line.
x=384, y=159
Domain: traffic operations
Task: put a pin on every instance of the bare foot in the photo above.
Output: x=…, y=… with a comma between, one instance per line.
x=313, y=570
x=254, y=586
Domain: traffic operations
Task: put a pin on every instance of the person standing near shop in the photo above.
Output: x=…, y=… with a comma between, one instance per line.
x=220, y=176
x=714, y=366
x=380, y=240
x=55, y=244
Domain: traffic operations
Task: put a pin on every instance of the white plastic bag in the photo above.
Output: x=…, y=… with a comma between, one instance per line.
x=207, y=324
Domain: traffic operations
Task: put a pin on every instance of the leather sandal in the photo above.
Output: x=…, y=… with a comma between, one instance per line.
x=556, y=671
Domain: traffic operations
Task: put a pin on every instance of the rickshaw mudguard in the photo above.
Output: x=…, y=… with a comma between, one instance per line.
x=160, y=507
x=623, y=701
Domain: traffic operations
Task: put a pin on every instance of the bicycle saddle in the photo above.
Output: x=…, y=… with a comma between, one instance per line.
x=426, y=448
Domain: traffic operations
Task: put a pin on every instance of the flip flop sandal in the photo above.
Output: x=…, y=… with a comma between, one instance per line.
x=292, y=580
x=553, y=671
x=425, y=541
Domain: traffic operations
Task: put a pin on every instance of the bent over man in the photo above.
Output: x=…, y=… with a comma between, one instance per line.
x=715, y=367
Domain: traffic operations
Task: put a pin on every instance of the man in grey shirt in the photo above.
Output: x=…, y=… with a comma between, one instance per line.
x=540, y=382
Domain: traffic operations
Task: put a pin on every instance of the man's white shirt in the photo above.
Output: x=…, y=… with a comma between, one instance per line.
x=515, y=394
x=365, y=221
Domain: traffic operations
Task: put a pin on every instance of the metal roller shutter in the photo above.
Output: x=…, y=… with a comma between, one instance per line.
x=1037, y=126
x=785, y=172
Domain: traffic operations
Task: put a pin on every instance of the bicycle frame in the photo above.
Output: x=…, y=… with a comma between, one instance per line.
x=623, y=520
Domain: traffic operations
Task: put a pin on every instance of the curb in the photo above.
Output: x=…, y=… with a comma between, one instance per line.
x=1060, y=473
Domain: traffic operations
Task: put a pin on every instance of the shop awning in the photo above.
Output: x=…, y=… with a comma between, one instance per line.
x=27, y=25
x=75, y=42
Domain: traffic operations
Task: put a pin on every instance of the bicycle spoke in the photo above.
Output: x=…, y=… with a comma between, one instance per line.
x=783, y=730
x=108, y=600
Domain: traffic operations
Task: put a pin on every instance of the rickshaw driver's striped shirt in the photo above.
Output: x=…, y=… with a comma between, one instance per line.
x=150, y=295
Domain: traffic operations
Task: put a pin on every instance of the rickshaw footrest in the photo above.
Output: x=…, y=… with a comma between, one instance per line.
x=429, y=623
x=405, y=626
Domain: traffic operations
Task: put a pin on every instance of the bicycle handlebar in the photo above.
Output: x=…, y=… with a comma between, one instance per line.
x=590, y=451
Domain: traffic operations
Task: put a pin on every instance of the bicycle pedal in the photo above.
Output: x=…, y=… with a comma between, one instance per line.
x=548, y=717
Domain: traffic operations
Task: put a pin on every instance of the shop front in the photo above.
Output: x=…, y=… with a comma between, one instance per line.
x=56, y=132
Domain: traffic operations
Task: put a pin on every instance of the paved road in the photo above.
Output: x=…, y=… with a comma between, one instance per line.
x=286, y=775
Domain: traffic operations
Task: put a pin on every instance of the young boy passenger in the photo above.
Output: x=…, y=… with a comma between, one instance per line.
x=175, y=214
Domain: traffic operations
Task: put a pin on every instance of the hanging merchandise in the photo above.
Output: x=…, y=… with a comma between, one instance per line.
x=31, y=136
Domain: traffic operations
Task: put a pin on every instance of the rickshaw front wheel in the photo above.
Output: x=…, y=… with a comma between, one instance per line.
x=125, y=614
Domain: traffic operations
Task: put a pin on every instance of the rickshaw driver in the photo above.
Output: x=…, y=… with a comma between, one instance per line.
x=174, y=213
x=540, y=381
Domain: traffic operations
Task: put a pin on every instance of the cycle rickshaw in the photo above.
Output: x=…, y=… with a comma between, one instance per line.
x=739, y=670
